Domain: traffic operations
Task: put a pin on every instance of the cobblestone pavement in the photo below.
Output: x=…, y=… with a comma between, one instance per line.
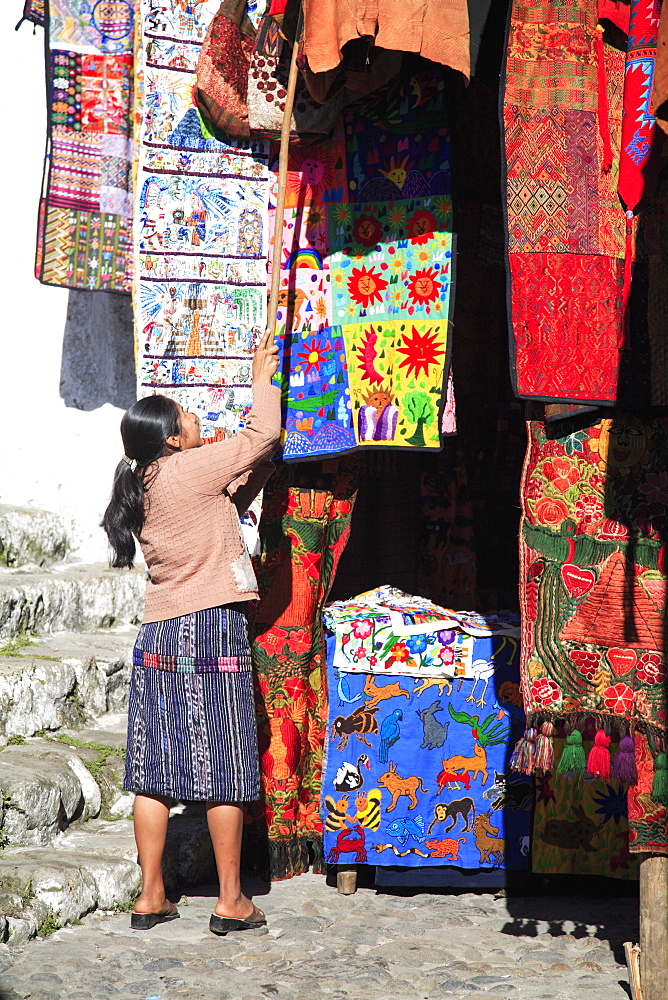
x=319, y=944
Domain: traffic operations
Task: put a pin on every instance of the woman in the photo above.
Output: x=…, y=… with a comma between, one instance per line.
x=191, y=725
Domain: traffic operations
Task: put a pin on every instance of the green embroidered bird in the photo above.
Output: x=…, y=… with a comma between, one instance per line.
x=487, y=732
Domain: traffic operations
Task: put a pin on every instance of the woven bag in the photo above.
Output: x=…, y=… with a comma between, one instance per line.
x=267, y=88
x=222, y=69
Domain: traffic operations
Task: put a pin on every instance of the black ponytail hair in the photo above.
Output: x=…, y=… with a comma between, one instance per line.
x=145, y=428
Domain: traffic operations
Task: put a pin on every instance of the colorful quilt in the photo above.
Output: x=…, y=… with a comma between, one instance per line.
x=387, y=632
x=593, y=584
x=416, y=771
x=200, y=235
x=367, y=277
x=566, y=228
x=581, y=827
x=304, y=529
x=85, y=215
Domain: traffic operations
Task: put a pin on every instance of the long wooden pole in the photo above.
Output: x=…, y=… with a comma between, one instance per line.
x=283, y=157
x=654, y=928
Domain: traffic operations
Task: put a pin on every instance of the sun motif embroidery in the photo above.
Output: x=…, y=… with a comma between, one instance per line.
x=420, y=352
x=421, y=224
x=365, y=286
x=311, y=355
x=423, y=286
x=398, y=170
x=367, y=230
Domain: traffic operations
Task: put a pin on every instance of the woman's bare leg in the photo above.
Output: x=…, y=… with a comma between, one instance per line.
x=225, y=826
x=151, y=813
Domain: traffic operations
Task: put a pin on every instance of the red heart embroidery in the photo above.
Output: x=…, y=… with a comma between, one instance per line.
x=578, y=581
x=621, y=660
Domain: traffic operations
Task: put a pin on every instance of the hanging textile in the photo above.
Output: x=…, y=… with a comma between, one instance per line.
x=305, y=525
x=366, y=283
x=593, y=586
x=416, y=769
x=565, y=227
x=581, y=827
x=437, y=30
x=85, y=215
x=33, y=10
x=200, y=236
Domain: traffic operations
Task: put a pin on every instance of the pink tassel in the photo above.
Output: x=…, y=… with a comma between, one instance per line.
x=598, y=761
x=624, y=768
x=544, y=748
x=524, y=754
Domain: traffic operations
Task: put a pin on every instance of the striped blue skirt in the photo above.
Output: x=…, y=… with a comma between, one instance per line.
x=192, y=732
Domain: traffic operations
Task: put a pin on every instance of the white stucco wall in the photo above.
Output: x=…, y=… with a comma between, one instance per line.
x=53, y=456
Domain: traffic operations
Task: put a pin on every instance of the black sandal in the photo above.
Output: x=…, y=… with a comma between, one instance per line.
x=144, y=921
x=223, y=925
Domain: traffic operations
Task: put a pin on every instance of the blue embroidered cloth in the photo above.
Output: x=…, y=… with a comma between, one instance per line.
x=416, y=769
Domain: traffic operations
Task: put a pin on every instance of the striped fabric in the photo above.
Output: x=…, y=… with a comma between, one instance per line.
x=192, y=733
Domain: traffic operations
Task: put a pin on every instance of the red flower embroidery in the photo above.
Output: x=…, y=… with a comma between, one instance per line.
x=421, y=350
x=650, y=668
x=551, y=511
x=589, y=508
x=561, y=472
x=618, y=698
x=399, y=652
x=362, y=629
x=545, y=691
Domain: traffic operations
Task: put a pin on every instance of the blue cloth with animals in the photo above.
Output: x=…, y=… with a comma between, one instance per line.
x=416, y=768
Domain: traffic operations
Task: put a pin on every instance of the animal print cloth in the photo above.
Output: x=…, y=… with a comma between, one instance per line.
x=387, y=632
x=416, y=769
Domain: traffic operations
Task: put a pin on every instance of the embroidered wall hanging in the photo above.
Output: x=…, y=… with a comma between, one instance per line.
x=593, y=589
x=304, y=529
x=200, y=234
x=581, y=827
x=367, y=277
x=565, y=226
x=417, y=769
x=84, y=225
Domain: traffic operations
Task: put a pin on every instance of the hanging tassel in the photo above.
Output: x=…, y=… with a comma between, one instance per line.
x=603, y=113
x=544, y=748
x=624, y=343
x=524, y=754
x=660, y=782
x=624, y=768
x=572, y=756
x=598, y=762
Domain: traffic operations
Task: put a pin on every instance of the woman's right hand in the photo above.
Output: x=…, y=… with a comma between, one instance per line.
x=265, y=361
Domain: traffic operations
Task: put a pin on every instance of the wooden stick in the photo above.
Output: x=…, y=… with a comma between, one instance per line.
x=283, y=157
x=632, y=952
x=654, y=927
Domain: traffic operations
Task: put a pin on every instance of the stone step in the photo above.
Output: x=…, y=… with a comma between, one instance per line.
x=64, y=679
x=92, y=867
x=69, y=598
x=51, y=783
x=31, y=536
